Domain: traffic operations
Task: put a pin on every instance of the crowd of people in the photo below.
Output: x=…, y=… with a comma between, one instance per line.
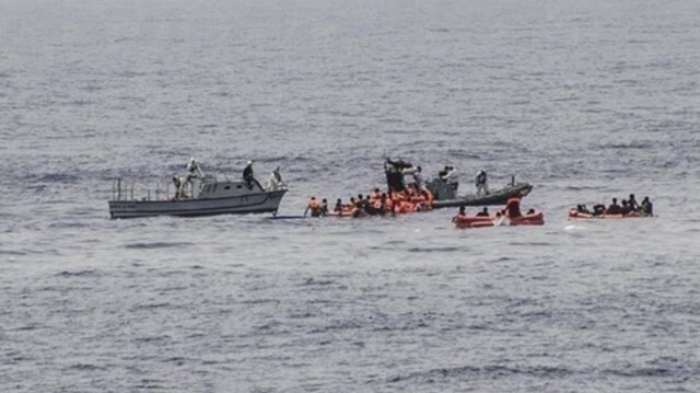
x=412, y=198
x=625, y=207
x=511, y=210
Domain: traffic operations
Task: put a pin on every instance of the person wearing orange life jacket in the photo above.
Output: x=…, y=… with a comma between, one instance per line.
x=389, y=204
x=314, y=207
x=513, y=208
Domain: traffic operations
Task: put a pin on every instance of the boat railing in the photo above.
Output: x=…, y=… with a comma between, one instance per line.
x=124, y=190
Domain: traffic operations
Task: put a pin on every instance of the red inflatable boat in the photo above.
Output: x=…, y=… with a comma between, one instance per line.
x=512, y=217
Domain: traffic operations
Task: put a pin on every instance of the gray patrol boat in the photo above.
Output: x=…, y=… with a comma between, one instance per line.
x=195, y=194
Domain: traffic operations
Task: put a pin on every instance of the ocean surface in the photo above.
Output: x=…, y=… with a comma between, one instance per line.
x=586, y=100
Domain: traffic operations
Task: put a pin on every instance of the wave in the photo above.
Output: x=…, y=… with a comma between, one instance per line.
x=487, y=371
x=86, y=367
x=79, y=273
x=63, y=178
x=156, y=245
x=434, y=249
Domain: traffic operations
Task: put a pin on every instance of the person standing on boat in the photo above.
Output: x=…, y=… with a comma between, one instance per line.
x=482, y=187
x=193, y=169
x=418, y=179
x=248, y=174
x=193, y=172
x=275, y=181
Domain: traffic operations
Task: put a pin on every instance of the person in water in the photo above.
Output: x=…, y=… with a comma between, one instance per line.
x=614, y=208
x=647, y=208
x=314, y=207
x=483, y=213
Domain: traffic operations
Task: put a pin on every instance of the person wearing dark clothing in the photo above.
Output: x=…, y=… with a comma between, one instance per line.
x=626, y=209
x=462, y=214
x=614, y=208
x=338, y=206
x=324, y=207
x=584, y=209
x=248, y=175
x=394, y=174
x=647, y=208
x=483, y=213
x=633, y=203
x=598, y=209
x=361, y=203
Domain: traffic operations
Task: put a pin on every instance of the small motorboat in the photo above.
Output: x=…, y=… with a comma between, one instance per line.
x=512, y=217
x=195, y=194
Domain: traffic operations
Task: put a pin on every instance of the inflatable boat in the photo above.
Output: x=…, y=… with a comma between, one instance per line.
x=512, y=217
x=577, y=215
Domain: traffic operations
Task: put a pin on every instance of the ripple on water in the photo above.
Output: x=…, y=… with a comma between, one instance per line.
x=157, y=245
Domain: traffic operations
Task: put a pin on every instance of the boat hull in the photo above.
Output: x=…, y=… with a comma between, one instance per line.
x=264, y=202
x=481, y=222
x=497, y=197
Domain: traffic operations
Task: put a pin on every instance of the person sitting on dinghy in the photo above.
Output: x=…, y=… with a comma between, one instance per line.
x=633, y=203
x=626, y=208
x=513, y=208
x=598, y=209
x=647, y=208
x=483, y=213
x=324, y=207
x=462, y=214
x=614, y=208
x=338, y=209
